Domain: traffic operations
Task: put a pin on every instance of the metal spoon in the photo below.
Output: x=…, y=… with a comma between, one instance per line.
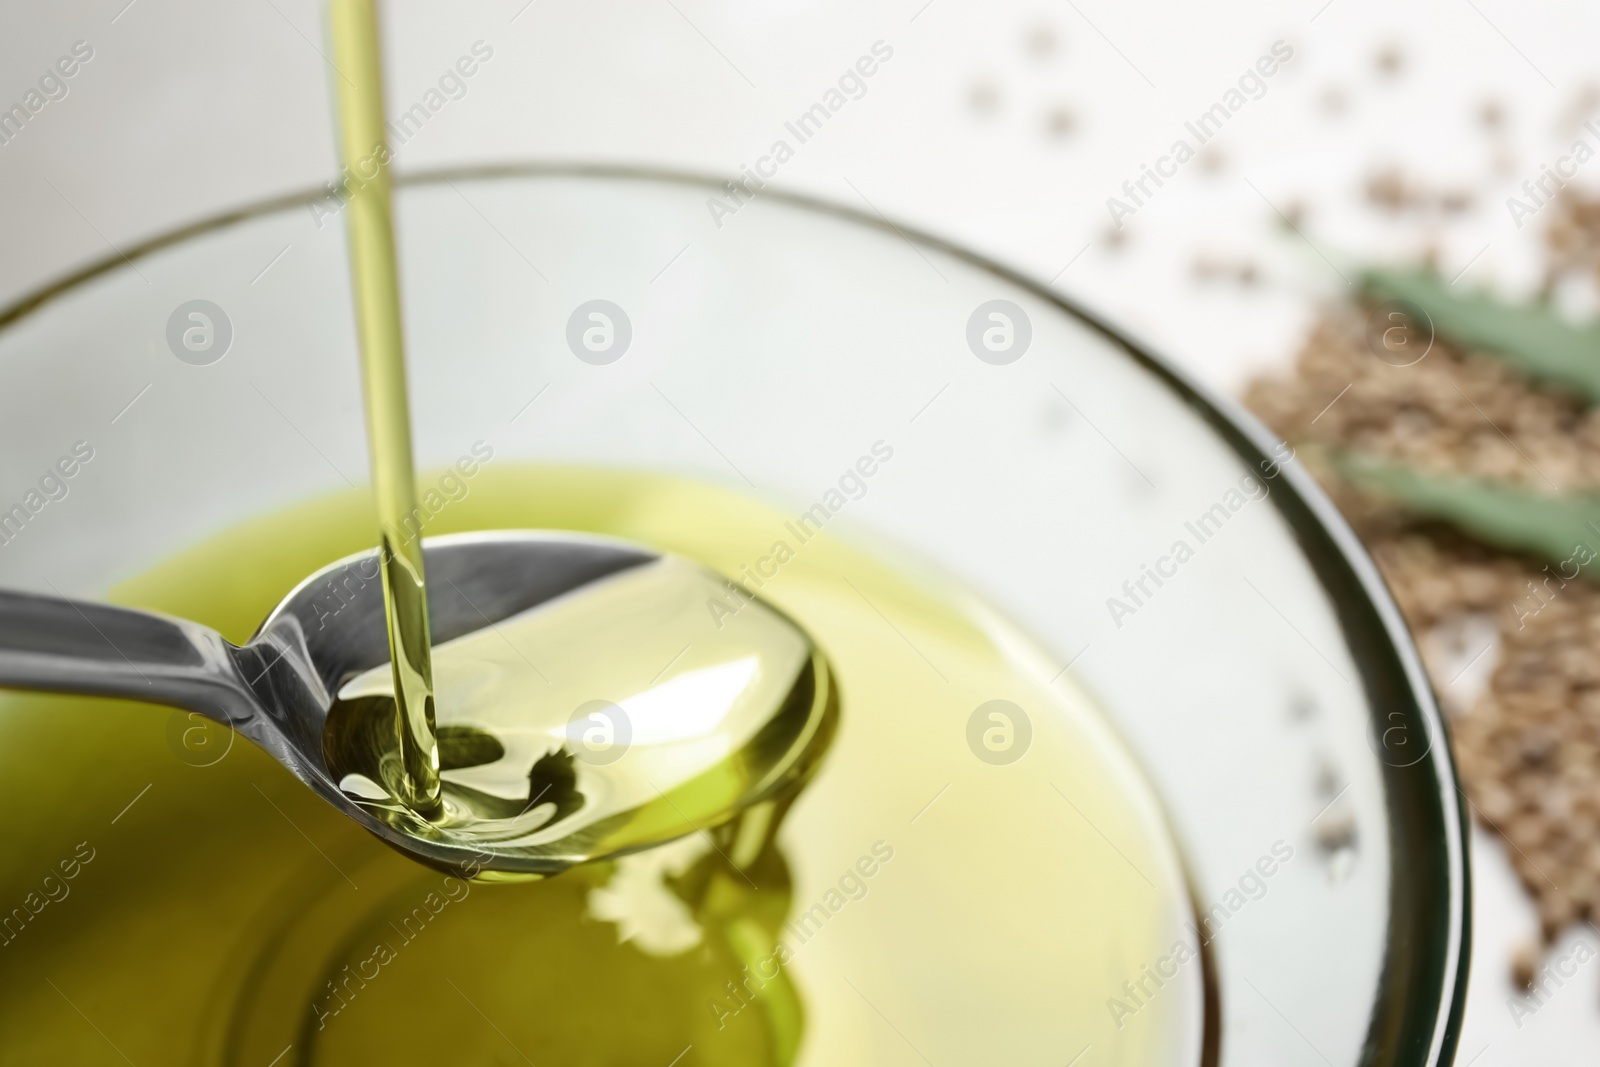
x=277, y=690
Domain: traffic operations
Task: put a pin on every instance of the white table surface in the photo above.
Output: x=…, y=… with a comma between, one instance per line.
x=187, y=108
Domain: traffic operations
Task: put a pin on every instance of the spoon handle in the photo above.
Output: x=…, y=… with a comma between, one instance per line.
x=70, y=646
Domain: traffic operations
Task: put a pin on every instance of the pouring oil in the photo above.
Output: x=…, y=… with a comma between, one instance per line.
x=409, y=731
x=718, y=717
x=913, y=903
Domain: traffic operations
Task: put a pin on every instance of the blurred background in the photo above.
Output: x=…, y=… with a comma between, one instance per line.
x=1404, y=135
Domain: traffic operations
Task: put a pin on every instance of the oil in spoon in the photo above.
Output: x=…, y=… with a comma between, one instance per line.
x=409, y=731
x=619, y=716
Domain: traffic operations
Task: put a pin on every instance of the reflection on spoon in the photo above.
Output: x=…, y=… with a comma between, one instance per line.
x=612, y=718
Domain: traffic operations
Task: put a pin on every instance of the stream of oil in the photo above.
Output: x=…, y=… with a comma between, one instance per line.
x=917, y=902
x=496, y=756
x=408, y=729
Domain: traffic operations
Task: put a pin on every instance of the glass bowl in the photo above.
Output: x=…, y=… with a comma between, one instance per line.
x=760, y=341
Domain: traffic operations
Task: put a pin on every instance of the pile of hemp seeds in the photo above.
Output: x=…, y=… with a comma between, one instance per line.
x=1511, y=641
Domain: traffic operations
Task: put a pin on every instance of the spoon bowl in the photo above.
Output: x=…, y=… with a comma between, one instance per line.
x=544, y=766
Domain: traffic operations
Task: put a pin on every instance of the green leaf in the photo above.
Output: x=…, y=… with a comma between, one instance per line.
x=1532, y=338
x=1544, y=524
